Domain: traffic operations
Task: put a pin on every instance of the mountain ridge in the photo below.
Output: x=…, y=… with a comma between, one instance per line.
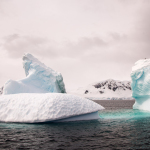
x=107, y=89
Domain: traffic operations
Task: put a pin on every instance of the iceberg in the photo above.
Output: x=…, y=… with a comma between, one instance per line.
x=39, y=79
x=45, y=107
x=141, y=84
x=41, y=97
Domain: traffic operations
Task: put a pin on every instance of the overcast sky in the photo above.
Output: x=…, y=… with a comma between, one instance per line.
x=85, y=40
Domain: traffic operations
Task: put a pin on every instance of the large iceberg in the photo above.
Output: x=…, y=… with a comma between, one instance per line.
x=45, y=107
x=141, y=84
x=40, y=97
x=39, y=79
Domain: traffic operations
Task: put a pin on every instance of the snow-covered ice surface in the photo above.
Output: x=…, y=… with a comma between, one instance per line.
x=34, y=107
x=141, y=84
x=39, y=79
x=106, y=90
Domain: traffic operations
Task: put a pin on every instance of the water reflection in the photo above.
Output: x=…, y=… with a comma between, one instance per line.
x=123, y=114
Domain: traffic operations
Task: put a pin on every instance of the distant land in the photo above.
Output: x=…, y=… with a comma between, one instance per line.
x=107, y=89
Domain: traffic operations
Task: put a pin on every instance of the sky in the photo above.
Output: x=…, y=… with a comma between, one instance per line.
x=85, y=40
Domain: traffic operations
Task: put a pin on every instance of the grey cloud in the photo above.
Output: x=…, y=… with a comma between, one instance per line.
x=118, y=37
x=87, y=43
x=84, y=45
x=96, y=50
x=93, y=49
x=142, y=32
x=16, y=45
x=120, y=48
x=140, y=37
x=135, y=45
x=2, y=4
x=127, y=2
x=90, y=46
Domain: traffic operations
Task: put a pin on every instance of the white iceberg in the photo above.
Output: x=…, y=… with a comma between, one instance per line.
x=40, y=97
x=39, y=79
x=34, y=108
x=141, y=84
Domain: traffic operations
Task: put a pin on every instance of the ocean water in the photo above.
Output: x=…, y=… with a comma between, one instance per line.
x=117, y=129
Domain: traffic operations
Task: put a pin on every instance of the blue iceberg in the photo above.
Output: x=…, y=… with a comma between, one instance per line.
x=141, y=84
x=39, y=79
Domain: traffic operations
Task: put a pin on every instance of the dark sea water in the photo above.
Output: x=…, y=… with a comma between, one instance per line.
x=117, y=129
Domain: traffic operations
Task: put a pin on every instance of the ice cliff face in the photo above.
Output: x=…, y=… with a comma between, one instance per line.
x=107, y=89
x=39, y=79
x=140, y=78
x=141, y=84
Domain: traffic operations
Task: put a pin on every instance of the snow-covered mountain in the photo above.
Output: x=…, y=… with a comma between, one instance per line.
x=107, y=89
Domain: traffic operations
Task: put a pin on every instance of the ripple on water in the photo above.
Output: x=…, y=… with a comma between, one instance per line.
x=118, y=129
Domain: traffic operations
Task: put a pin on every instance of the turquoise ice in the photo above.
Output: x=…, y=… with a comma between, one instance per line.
x=141, y=84
x=39, y=79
